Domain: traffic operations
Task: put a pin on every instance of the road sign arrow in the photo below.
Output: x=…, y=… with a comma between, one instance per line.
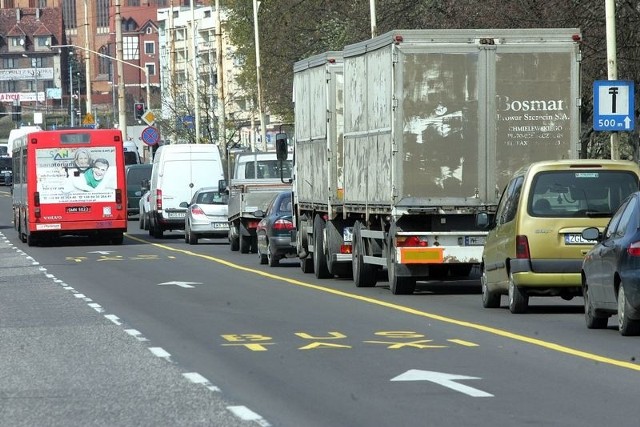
x=627, y=122
x=181, y=284
x=444, y=379
x=101, y=252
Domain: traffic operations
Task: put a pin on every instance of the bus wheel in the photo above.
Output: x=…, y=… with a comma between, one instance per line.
x=117, y=238
x=31, y=241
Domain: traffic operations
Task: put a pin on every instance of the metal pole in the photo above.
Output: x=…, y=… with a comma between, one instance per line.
x=122, y=108
x=34, y=64
x=87, y=61
x=71, y=112
x=263, y=129
x=374, y=24
x=220, y=73
x=196, y=97
x=610, y=16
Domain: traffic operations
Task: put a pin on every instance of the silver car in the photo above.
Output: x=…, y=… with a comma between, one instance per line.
x=206, y=215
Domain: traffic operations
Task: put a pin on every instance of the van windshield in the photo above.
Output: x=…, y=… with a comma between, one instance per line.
x=583, y=193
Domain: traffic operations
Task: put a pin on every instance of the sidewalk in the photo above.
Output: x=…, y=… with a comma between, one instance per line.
x=63, y=363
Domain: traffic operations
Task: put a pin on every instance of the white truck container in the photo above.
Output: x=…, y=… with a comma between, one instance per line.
x=256, y=180
x=402, y=139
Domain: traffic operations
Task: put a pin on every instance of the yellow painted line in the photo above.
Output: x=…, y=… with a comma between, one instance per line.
x=488, y=329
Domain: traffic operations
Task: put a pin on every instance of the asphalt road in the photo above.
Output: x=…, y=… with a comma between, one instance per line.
x=291, y=350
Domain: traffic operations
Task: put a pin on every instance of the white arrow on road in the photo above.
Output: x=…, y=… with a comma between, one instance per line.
x=444, y=379
x=181, y=284
x=100, y=252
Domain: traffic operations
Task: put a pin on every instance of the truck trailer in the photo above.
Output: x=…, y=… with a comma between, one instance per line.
x=402, y=139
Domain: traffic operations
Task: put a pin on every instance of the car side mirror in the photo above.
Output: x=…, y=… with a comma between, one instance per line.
x=222, y=186
x=482, y=220
x=259, y=213
x=184, y=205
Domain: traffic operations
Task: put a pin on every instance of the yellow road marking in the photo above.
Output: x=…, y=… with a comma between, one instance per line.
x=488, y=329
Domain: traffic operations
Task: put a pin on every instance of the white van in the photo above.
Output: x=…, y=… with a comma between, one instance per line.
x=179, y=170
x=131, y=153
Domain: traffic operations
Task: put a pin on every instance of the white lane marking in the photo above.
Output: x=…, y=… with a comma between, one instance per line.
x=79, y=295
x=196, y=378
x=113, y=318
x=96, y=307
x=247, y=414
x=160, y=352
x=444, y=379
x=136, y=334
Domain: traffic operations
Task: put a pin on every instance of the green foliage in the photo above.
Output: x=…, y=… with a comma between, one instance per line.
x=291, y=30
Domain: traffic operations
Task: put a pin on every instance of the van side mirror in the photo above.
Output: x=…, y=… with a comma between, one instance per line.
x=222, y=186
x=282, y=150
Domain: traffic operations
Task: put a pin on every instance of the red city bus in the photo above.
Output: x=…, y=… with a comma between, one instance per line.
x=69, y=182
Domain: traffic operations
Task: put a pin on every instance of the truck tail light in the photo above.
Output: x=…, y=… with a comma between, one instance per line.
x=522, y=247
x=410, y=241
x=345, y=249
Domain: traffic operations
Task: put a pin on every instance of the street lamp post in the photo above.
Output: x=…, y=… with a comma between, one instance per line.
x=144, y=69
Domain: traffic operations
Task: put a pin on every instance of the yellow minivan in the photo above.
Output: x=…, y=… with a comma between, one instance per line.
x=534, y=246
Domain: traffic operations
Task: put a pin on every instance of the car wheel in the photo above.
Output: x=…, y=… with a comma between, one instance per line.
x=141, y=221
x=593, y=320
x=489, y=299
x=273, y=259
x=319, y=260
x=626, y=325
x=364, y=275
x=518, y=298
x=186, y=233
x=193, y=238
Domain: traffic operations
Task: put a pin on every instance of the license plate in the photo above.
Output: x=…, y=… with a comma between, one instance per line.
x=347, y=234
x=175, y=214
x=77, y=209
x=577, y=239
x=474, y=240
x=220, y=225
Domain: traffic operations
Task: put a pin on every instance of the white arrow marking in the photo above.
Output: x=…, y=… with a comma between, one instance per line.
x=181, y=284
x=100, y=252
x=444, y=379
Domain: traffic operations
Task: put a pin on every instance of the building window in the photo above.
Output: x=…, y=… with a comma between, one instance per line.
x=130, y=48
x=8, y=86
x=133, y=3
x=43, y=41
x=151, y=68
x=104, y=64
x=149, y=48
x=16, y=41
x=69, y=13
x=8, y=63
x=102, y=9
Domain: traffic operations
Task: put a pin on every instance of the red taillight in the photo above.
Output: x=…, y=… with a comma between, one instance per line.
x=634, y=249
x=410, y=241
x=252, y=223
x=36, y=204
x=118, y=196
x=345, y=249
x=159, y=199
x=522, y=247
x=283, y=224
x=196, y=210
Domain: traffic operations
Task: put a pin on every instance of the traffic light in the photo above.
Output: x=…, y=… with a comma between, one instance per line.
x=138, y=110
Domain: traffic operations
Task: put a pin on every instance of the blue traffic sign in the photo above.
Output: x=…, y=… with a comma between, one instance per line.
x=150, y=135
x=613, y=105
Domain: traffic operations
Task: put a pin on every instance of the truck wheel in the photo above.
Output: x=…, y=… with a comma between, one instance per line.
x=245, y=244
x=333, y=244
x=364, y=275
x=398, y=285
x=319, y=260
x=306, y=265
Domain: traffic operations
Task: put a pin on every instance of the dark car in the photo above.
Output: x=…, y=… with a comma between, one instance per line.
x=138, y=176
x=611, y=270
x=274, y=230
x=6, y=169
